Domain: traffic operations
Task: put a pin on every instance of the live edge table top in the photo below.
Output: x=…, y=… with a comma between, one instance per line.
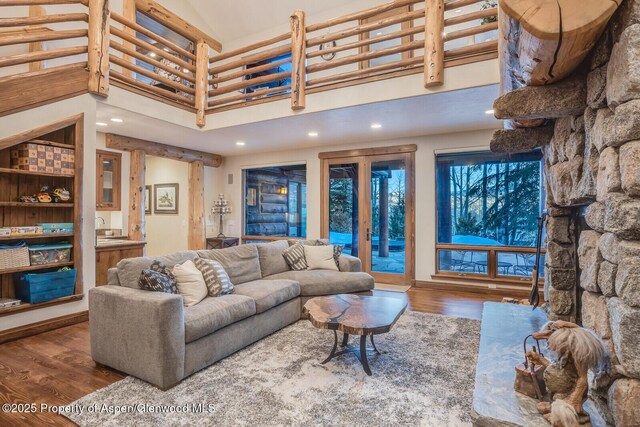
x=354, y=314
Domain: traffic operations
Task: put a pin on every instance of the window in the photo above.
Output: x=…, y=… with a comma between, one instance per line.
x=275, y=202
x=281, y=63
x=487, y=210
x=382, y=32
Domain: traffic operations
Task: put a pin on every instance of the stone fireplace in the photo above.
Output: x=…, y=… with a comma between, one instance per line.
x=592, y=174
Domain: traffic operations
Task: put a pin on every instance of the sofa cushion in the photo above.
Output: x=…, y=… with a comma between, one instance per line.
x=240, y=262
x=320, y=258
x=321, y=282
x=129, y=269
x=269, y=293
x=271, y=259
x=190, y=283
x=212, y=314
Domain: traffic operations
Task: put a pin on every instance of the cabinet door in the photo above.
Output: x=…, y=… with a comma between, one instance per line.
x=108, y=181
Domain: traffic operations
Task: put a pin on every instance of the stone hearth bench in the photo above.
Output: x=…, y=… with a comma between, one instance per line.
x=495, y=403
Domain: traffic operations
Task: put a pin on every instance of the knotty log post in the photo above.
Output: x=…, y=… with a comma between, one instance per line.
x=298, y=57
x=35, y=11
x=99, y=47
x=434, y=43
x=136, y=195
x=129, y=12
x=202, y=82
x=196, y=237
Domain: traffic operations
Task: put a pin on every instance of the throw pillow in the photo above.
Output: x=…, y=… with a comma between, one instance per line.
x=337, y=250
x=157, y=280
x=190, y=282
x=215, y=277
x=320, y=257
x=294, y=255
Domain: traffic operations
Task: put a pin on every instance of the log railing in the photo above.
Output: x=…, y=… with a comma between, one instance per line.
x=398, y=38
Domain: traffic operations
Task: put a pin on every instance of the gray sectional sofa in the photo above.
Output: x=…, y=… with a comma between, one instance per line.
x=152, y=336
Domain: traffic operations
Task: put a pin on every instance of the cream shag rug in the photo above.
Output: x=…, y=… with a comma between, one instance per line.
x=424, y=376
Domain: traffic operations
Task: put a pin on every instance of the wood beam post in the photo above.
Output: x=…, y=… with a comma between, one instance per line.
x=298, y=59
x=434, y=43
x=196, y=206
x=202, y=82
x=36, y=46
x=99, y=14
x=129, y=12
x=136, y=195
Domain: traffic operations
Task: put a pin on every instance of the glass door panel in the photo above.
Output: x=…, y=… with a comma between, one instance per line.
x=344, y=206
x=388, y=216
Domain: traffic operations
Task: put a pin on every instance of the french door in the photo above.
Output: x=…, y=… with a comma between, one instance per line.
x=368, y=207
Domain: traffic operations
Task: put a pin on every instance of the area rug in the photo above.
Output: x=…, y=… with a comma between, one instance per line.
x=424, y=376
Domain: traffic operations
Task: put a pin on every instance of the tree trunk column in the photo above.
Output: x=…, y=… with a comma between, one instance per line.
x=136, y=195
x=383, y=229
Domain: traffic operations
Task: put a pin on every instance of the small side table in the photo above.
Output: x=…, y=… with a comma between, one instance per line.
x=222, y=242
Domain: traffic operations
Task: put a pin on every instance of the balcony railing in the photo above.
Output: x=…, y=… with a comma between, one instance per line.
x=102, y=47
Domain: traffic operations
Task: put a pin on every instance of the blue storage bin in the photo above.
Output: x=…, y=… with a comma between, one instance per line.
x=40, y=287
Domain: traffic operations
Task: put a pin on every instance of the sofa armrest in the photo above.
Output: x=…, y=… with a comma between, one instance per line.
x=349, y=263
x=138, y=332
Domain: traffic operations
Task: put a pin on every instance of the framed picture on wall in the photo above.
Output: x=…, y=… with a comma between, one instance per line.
x=147, y=200
x=165, y=198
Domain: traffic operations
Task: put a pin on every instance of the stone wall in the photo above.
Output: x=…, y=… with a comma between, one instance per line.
x=593, y=160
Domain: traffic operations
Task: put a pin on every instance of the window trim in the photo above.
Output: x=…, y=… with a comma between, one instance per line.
x=492, y=276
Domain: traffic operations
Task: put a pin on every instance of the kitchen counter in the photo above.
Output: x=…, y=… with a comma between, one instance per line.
x=118, y=243
x=110, y=251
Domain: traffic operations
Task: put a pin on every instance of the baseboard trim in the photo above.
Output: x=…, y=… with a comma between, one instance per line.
x=43, y=326
x=480, y=289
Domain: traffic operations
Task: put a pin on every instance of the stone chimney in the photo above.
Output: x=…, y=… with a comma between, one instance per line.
x=592, y=165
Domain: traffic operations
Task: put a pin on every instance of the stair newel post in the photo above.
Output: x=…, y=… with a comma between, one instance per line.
x=98, y=47
x=202, y=82
x=298, y=59
x=433, y=43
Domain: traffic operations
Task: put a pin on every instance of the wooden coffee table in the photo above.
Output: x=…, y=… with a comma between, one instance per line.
x=354, y=315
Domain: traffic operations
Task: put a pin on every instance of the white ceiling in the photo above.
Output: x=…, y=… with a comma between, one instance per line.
x=422, y=115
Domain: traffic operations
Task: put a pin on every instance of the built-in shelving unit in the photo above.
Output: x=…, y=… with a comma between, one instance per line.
x=14, y=213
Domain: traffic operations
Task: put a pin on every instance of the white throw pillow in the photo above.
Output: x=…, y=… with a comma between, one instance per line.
x=191, y=284
x=320, y=257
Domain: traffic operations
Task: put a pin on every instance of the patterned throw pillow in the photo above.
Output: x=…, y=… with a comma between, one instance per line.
x=294, y=255
x=216, y=279
x=158, y=278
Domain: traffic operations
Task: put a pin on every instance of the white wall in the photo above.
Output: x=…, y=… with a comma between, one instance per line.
x=41, y=116
x=425, y=184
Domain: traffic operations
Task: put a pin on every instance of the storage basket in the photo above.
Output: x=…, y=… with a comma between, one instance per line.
x=50, y=254
x=35, y=288
x=15, y=255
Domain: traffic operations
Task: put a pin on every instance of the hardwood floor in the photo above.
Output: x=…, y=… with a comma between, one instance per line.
x=56, y=368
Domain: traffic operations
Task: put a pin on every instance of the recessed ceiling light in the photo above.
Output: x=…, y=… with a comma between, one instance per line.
x=116, y=120
x=376, y=125
x=313, y=133
x=240, y=143
x=101, y=124
x=379, y=33
x=458, y=10
x=185, y=70
x=489, y=112
x=152, y=54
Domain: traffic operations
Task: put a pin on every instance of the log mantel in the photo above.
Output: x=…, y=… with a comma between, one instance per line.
x=544, y=41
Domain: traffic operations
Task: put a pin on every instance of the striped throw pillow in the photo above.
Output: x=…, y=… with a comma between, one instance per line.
x=216, y=279
x=294, y=255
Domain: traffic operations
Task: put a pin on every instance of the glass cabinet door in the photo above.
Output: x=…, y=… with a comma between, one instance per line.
x=108, y=169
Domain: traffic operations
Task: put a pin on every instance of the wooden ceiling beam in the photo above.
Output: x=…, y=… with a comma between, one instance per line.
x=125, y=143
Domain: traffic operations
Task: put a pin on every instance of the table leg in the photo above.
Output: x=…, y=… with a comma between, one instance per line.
x=345, y=340
x=333, y=350
x=363, y=354
x=374, y=345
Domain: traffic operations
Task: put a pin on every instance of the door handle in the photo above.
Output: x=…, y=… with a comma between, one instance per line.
x=368, y=234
